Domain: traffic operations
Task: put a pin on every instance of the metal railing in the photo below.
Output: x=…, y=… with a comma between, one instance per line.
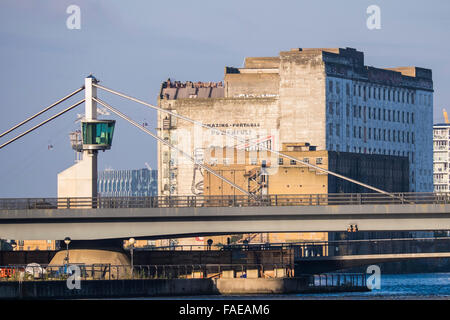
x=338, y=280
x=369, y=247
x=122, y=272
x=225, y=201
x=20, y=273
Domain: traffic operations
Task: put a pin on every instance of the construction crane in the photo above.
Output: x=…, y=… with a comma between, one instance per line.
x=445, y=115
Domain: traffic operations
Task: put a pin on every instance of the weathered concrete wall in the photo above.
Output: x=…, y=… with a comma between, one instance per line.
x=257, y=84
x=245, y=117
x=106, y=288
x=302, y=98
x=159, y=287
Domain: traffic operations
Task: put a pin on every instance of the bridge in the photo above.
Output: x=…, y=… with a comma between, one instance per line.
x=178, y=216
x=93, y=218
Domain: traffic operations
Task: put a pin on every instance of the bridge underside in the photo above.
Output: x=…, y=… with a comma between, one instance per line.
x=88, y=224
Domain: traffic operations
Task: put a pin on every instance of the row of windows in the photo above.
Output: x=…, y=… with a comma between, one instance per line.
x=375, y=151
x=372, y=92
x=373, y=113
x=373, y=133
x=293, y=162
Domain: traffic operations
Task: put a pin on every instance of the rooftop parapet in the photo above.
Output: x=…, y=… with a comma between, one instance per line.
x=179, y=90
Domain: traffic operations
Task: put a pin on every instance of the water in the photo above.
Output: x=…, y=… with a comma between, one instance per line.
x=393, y=286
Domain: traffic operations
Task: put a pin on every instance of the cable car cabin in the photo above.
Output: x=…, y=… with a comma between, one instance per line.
x=97, y=134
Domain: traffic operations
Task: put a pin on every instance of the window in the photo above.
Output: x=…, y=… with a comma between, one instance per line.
x=330, y=107
x=280, y=161
x=318, y=160
x=330, y=129
x=347, y=131
x=293, y=162
x=348, y=110
x=330, y=86
x=338, y=112
x=306, y=160
x=338, y=129
x=347, y=89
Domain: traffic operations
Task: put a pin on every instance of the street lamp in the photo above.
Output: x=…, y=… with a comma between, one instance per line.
x=210, y=242
x=67, y=241
x=131, y=242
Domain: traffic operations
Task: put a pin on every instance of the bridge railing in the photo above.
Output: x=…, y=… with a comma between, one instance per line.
x=225, y=201
x=369, y=247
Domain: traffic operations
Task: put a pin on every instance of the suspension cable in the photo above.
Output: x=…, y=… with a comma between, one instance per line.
x=42, y=123
x=123, y=116
x=240, y=139
x=42, y=111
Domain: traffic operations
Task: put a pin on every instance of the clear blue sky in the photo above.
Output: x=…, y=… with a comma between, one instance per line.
x=135, y=45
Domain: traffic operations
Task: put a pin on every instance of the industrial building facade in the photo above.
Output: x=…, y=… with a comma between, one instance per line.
x=288, y=177
x=327, y=97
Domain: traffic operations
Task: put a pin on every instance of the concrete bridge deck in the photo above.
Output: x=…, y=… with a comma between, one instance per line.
x=108, y=223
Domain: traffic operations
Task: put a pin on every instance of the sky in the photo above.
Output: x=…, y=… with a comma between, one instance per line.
x=133, y=46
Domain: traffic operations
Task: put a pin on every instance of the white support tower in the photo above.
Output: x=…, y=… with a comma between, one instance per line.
x=80, y=180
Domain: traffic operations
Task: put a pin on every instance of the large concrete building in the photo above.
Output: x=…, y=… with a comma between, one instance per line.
x=327, y=97
x=258, y=175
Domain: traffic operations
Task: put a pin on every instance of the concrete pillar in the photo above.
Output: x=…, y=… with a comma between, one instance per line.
x=280, y=273
x=252, y=273
x=90, y=105
x=197, y=274
x=80, y=180
x=228, y=274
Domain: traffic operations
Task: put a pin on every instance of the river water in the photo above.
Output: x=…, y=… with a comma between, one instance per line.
x=393, y=286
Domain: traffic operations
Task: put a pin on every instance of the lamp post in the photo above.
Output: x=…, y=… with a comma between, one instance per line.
x=67, y=242
x=131, y=242
x=210, y=242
